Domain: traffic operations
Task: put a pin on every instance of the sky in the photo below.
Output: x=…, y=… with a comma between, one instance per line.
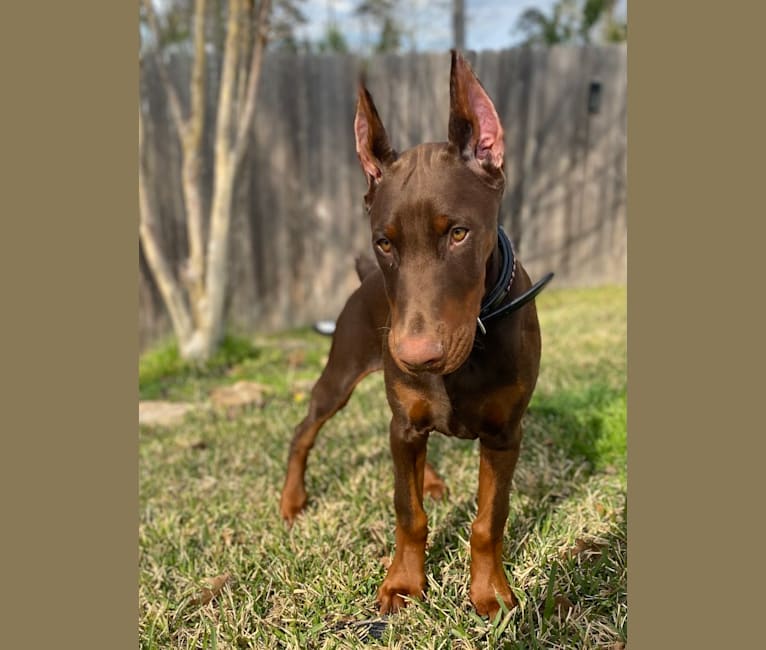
x=489, y=23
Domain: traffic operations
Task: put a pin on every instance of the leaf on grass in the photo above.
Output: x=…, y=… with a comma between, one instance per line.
x=589, y=548
x=231, y=537
x=208, y=593
x=558, y=606
x=238, y=396
x=562, y=606
x=162, y=414
x=198, y=446
x=619, y=645
x=386, y=561
x=296, y=358
x=207, y=483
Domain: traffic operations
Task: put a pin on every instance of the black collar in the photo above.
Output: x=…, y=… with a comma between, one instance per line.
x=491, y=304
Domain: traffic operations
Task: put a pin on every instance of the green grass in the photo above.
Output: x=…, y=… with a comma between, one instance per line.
x=209, y=492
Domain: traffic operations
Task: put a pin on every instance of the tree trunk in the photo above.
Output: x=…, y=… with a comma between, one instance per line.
x=198, y=316
x=191, y=140
x=169, y=288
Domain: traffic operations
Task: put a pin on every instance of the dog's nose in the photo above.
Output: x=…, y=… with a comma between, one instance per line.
x=419, y=352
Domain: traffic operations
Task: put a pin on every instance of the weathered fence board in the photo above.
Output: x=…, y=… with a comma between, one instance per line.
x=298, y=219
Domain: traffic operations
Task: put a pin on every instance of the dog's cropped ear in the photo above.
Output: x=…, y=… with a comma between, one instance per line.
x=474, y=126
x=375, y=153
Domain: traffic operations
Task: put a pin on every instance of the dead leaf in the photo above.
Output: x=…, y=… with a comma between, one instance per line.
x=386, y=562
x=561, y=606
x=231, y=537
x=162, y=414
x=239, y=395
x=619, y=645
x=589, y=547
x=207, y=594
x=207, y=482
x=199, y=446
x=296, y=358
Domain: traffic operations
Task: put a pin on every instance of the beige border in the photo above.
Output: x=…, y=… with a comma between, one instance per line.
x=69, y=253
x=695, y=178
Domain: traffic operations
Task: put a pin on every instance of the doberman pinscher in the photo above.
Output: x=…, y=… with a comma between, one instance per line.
x=448, y=314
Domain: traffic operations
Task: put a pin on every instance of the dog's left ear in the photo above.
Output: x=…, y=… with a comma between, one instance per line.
x=474, y=126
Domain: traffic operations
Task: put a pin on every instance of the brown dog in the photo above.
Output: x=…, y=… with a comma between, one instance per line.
x=443, y=263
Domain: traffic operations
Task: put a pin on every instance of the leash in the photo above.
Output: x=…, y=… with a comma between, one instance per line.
x=491, y=307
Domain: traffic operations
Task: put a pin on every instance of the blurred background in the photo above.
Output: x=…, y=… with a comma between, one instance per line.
x=251, y=191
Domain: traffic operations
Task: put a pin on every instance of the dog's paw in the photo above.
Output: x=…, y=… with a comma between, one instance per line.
x=484, y=599
x=392, y=593
x=437, y=489
x=433, y=485
x=291, y=506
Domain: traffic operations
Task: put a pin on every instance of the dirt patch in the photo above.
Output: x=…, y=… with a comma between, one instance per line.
x=162, y=414
x=243, y=394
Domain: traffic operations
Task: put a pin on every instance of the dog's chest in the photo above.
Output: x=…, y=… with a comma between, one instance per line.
x=462, y=406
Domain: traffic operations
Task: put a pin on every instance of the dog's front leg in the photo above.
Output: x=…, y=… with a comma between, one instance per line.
x=406, y=575
x=487, y=576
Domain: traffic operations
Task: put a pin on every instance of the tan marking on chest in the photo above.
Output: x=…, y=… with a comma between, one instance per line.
x=423, y=409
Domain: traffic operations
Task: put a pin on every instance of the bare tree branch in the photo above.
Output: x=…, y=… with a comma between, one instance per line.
x=246, y=44
x=246, y=118
x=192, y=162
x=170, y=90
x=166, y=282
x=226, y=92
x=220, y=213
x=199, y=322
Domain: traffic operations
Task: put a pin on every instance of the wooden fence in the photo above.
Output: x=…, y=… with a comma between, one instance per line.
x=298, y=219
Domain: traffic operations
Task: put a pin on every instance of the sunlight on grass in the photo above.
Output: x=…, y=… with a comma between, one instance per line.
x=209, y=491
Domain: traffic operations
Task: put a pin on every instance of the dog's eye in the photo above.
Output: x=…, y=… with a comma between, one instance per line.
x=384, y=245
x=458, y=234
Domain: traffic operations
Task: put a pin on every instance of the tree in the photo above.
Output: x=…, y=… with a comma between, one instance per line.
x=333, y=40
x=572, y=21
x=603, y=12
x=194, y=294
x=382, y=12
x=287, y=14
x=458, y=24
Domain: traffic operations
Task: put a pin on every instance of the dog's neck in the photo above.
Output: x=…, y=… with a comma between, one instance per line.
x=501, y=269
x=494, y=264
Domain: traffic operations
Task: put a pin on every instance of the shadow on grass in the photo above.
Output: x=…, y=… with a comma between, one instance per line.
x=589, y=425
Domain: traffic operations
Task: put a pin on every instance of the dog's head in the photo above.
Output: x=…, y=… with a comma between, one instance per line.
x=433, y=214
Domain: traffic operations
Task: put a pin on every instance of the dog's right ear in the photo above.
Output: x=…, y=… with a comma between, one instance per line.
x=372, y=147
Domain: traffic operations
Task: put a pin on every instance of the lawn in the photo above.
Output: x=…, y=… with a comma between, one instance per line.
x=209, y=492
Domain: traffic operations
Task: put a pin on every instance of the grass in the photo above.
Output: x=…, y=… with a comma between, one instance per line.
x=209, y=492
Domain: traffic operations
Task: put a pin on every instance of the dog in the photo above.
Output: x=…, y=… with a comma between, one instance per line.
x=448, y=313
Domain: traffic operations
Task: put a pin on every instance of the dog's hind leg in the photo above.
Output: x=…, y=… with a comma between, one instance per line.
x=355, y=352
